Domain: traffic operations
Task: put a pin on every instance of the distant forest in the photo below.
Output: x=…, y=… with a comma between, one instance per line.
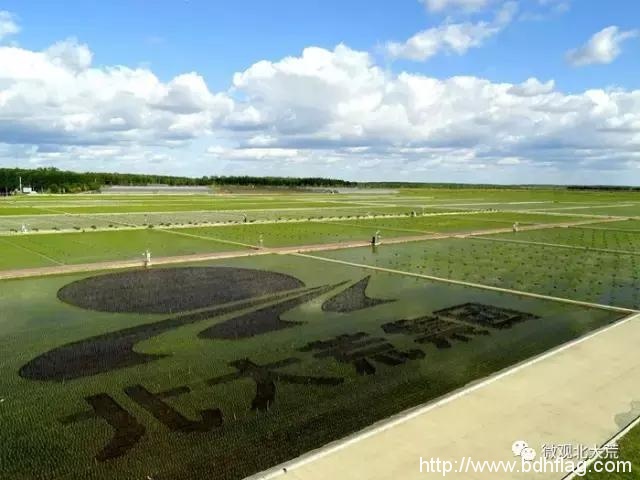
x=52, y=180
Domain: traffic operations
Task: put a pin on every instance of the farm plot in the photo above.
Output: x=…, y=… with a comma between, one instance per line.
x=64, y=222
x=143, y=207
x=17, y=256
x=35, y=223
x=578, y=237
x=238, y=215
x=248, y=362
x=459, y=223
x=568, y=208
x=353, y=211
x=87, y=247
x=51, y=221
x=629, y=225
x=170, y=219
x=431, y=224
x=578, y=274
x=622, y=210
x=482, y=206
x=525, y=218
x=20, y=210
x=292, y=234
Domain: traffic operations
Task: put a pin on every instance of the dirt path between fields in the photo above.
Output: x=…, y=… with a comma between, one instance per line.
x=200, y=257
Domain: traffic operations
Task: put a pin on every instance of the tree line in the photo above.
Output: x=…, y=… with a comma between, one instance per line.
x=52, y=180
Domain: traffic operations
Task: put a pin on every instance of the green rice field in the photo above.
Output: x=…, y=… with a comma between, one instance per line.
x=260, y=332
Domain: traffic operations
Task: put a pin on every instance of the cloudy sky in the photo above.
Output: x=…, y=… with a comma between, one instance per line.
x=500, y=91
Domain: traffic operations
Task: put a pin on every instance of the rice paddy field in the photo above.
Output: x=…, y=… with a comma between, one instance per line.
x=268, y=326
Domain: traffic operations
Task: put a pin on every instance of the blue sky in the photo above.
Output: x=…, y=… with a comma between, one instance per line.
x=184, y=87
x=219, y=38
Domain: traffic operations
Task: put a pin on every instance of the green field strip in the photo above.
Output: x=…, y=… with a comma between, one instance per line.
x=550, y=212
x=18, y=211
x=526, y=218
x=474, y=285
x=500, y=217
x=395, y=229
x=226, y=210
x=604, y=229
x=101, y=246
x=619, y=211
x=74, y=248
x=288, y=234
x=598, y=277
x=8, y=260
x=173, y=208
x=429, y=224
x=487, y=206
x=561, y=213
x=111, y=220
x=613, y=241
x=66, y=223
x=618, y=225
x=598, y=206
x=556, y=245
x=39, y=271
x=52, y=210
x=212, y=239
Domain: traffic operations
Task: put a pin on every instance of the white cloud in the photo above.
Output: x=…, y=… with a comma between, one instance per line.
x=188, y=94
x=261, y=140
x=69, y=54
x=466, y=5
x=532, y=87
x=509, y=161
x=300, y=94
x=455, y=38
x=8, y=24
x=254, y=154
x=544, y=9
x=603, y=47
x=341, y=99
x=556, y=6
x=324, y=112
x=55, y=96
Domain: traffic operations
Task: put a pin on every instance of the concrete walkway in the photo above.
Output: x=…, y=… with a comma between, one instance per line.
x=579, y=394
